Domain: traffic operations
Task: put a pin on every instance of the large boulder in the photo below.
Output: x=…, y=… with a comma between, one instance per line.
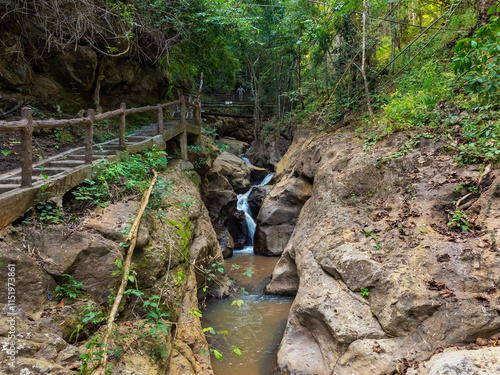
x=89, y=259
x=218, y=195
x=461, y=362
x=256, y=198
x=234, y=169
x=235, y=146
x=278, y=215
x=34, y=287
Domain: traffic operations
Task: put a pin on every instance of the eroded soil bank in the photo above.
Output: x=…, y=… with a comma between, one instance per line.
x=385, y=280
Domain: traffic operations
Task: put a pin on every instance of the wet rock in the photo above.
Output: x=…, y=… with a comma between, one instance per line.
x=256, y=198
x=257, y=174
x=226, y=243
x=218, y=195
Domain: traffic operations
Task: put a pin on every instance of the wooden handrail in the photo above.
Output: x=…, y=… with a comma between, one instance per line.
x=26, y=126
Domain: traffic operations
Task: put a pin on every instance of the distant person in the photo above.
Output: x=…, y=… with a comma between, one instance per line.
x=240, y=92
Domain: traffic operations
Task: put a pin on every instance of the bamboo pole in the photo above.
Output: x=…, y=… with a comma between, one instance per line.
x=131, y=239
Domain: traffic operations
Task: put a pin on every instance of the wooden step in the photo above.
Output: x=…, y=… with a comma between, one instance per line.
x=8, y=187
x=49, y=171
x=65, y=163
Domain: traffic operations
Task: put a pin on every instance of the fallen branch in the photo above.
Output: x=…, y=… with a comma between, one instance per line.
x=17, y=106
x=459, y=202
x=131, y=239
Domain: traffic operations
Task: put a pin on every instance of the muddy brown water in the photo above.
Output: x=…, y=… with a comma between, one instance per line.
x=256, y=327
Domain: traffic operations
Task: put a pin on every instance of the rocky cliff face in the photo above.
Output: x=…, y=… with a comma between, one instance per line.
x=381, y=281
x=64, y=79
x=175, y=248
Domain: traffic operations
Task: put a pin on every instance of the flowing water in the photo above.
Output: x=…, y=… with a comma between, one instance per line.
x=258, y=325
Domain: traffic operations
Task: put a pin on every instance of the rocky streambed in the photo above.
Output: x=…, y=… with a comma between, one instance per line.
x=381, y=282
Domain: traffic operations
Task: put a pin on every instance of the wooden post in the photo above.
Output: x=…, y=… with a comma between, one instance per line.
x=89, y=137
x=27, y=148
x=197, y=113
x=183, y=144
x=160, y=119
x=183, y=110
x=121, y=137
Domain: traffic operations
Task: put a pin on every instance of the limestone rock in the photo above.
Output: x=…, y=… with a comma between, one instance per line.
x=484, y=361
x=34, y=287
x=75, y=64
x=234, y=169
x=382, y=231
x=219, y=195
x=278, y=215
x=326, y=318
x=236, y=147
x=90, y=259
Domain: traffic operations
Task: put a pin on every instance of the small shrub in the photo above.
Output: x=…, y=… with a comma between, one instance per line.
x=71, y=289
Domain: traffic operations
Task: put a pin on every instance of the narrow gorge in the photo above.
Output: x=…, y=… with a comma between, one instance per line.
x=249, y=187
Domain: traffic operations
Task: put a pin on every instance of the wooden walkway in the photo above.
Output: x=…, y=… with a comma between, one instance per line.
x=50, y=179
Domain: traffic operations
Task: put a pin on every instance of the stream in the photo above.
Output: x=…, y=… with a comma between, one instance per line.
x=258, y=325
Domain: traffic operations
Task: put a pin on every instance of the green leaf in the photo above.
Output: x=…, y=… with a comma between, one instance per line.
x=218, y=355
x=238, y=302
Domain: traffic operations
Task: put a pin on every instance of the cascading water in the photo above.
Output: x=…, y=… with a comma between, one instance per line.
x=257, y=326
x=245, y=207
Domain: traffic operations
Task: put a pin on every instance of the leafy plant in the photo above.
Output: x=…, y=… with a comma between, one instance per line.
x=480, y=59
x=71, y=289
x=458, y=221
x=155, y=317
x=95, y=192
x=365, y=292
x=49, y=213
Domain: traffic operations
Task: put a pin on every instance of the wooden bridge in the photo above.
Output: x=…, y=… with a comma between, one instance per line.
x=50, y=179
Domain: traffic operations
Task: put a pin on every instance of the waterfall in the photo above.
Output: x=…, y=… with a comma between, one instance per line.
x=245, y=207
x=245, y=159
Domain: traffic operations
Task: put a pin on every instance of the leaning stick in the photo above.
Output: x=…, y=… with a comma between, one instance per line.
x=131, y=239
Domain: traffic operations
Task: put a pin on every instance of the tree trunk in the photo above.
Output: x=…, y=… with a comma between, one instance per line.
x=363, y=58
x=482, y=11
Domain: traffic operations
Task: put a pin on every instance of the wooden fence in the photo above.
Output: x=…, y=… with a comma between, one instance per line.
x=27, y=124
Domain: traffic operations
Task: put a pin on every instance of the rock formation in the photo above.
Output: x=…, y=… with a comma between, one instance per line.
x=381, y=281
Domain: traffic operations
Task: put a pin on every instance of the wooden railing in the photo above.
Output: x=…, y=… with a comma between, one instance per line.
x=27, y=124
